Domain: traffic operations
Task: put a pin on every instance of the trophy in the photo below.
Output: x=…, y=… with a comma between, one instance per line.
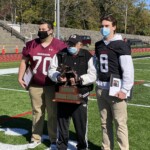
x=67, y=93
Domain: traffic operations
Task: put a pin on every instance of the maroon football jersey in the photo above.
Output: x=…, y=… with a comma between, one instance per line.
x=41, y=57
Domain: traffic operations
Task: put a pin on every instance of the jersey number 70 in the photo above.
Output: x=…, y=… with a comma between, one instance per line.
x=39, y=60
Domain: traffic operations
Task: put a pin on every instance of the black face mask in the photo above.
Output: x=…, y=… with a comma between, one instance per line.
x=42, y=34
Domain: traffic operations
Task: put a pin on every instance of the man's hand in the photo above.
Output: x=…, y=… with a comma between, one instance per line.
x=121, y=95
x=22, y=83
x=22, y=68
x=61, y=79
x=72, y=81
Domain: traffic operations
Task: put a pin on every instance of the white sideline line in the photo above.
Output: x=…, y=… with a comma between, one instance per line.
x=141, y=63
x=13, y=90
x=5, y=75
x=8, y=71
x=137, y=105
x=140, y=58
x=142, y=69
x=142, y=80
x=15, y=70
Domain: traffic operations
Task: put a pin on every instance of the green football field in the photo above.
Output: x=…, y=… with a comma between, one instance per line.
x=15, y=113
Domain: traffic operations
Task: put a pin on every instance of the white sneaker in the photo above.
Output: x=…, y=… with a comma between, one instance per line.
x=53, y=147
x=33, y=144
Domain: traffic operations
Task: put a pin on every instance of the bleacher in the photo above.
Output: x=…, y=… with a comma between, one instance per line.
x=10, y=39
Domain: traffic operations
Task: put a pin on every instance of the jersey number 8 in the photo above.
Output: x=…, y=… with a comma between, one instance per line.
x=104, y=63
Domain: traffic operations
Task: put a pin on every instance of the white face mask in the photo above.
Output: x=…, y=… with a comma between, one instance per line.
x=72, y=50
x=105, y=32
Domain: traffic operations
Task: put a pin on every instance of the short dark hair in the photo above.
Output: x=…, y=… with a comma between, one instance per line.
x=109, y=18
x=49, y=23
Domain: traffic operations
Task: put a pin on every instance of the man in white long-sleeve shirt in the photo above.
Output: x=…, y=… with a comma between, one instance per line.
x=113, y=57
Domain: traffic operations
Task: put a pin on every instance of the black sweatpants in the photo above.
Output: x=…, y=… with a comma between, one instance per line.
x=78, y=113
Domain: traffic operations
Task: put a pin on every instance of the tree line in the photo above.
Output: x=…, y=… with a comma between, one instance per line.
x=133, y=15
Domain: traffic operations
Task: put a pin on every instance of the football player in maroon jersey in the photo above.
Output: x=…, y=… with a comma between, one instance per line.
x=114, y=58
x=38, y=54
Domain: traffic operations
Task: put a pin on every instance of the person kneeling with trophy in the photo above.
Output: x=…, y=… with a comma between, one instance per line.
x=74, y=72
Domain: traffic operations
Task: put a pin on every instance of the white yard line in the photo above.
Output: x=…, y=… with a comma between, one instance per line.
x=93, y=99
x=142, y=69
x=15, y=70
x=5, y=75
x=141, y=63
x=8, y=71
x=141, y=58
x=7, y=89
x=137, y=105
x=142, y=80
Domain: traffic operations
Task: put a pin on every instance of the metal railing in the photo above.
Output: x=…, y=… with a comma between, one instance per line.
x=12, y=31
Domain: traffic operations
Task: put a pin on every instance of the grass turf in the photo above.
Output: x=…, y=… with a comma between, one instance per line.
x=17, y=102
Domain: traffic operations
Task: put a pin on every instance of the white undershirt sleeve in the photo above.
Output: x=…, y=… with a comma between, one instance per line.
x=90, y=77
x=52, y=70
x=128, y=72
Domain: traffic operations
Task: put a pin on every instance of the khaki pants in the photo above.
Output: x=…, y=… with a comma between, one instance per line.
x=41, y=99
x=112, y=109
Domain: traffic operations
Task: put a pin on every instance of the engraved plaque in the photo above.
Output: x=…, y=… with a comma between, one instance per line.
x=67, y=94
x=68, y=89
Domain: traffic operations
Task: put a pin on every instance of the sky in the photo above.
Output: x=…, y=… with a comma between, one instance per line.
x=147, y=2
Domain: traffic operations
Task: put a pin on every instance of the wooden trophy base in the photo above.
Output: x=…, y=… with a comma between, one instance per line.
x=67, y=94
